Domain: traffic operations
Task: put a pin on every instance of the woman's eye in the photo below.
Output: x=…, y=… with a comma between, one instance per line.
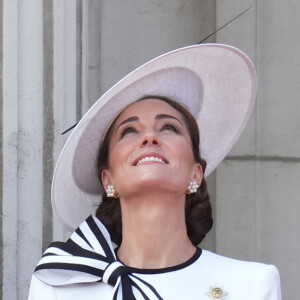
x=170, y=127
x=128, y=130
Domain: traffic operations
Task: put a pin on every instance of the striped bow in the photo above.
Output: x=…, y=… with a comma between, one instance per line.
x=88, y=256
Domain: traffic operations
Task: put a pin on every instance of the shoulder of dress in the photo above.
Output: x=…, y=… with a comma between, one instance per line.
x=38, y=288
x=258, y=280
x=218, y=261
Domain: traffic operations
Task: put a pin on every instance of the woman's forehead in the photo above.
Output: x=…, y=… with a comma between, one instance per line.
x=147, y=107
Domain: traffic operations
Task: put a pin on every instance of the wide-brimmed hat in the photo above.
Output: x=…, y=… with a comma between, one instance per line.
x=217, y=83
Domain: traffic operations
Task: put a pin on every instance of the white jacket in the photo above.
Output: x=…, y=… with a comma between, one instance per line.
x=205, y=276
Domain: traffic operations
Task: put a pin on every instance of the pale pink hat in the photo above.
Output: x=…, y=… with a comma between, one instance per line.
x=217, y=83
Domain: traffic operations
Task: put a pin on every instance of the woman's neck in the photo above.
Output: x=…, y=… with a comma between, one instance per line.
x=154, y=232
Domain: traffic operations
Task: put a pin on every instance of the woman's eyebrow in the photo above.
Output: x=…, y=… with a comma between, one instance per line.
x=166, y=116
x=130, y=119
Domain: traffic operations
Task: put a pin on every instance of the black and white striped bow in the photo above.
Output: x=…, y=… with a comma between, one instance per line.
x=88, y=256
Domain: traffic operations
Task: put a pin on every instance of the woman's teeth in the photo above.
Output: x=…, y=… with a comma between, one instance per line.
x=151, y=158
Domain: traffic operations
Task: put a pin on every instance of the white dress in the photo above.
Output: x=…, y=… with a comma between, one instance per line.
x=204, y=276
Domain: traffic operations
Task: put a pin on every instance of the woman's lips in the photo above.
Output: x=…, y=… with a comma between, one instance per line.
x=149, y=158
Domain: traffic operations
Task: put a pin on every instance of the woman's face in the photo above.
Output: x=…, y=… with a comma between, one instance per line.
x=150, y=149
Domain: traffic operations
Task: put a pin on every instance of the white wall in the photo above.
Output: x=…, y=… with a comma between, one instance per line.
x=22, y=142
x=258, y=184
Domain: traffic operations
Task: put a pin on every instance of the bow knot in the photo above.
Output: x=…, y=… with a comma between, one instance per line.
x=88, y=256
x=113, y=271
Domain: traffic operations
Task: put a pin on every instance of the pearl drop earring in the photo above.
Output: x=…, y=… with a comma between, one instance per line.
x=111, y=192
x=192, y=187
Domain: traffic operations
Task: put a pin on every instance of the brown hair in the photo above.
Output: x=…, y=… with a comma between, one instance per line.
x=198, y=213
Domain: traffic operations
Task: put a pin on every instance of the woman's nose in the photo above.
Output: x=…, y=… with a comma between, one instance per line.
x=150, y=140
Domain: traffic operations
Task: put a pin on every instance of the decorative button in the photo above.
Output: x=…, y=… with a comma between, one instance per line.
x=217, y=293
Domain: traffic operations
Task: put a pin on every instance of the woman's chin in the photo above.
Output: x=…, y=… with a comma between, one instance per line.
x=157, y=185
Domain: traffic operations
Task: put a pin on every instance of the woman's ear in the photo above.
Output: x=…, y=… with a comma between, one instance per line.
x=197, y=174
x=105, y=177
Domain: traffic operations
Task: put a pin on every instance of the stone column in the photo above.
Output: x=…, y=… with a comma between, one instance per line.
x=22, y=142
x=257, y=185
x=40, y=78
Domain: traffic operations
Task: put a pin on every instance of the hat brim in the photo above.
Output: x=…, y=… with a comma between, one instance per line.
x=217, y=83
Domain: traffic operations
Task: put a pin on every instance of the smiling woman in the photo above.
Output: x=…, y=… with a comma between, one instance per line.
x=173, y=126
x=137, y=151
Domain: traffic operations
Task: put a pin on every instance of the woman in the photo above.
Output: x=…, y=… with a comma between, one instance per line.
x=141, y=138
